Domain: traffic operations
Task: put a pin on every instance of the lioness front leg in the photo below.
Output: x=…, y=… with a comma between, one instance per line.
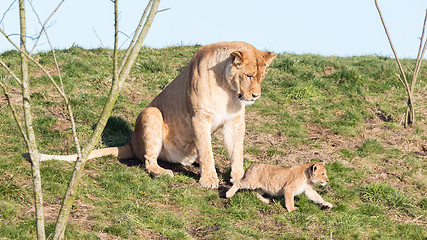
x=234, y=133
x=147, y=140
x=202, y=134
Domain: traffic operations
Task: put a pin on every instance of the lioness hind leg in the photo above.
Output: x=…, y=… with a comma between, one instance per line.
x=147, y=140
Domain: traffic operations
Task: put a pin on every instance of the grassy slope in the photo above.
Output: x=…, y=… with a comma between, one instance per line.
x=345, y=111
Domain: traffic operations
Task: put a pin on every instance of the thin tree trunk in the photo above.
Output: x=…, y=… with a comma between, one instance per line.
x=32, y=145
x=112, y=97
x=410, y=110
x=409, y=117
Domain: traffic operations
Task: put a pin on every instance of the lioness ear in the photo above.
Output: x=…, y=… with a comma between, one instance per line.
x=237, y=58
x=268, y=57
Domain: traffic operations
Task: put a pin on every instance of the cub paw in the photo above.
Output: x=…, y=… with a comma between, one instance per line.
x=327, y=205
x=209, y=180
x=236, y=176
x=264, y=200
x=229, y=194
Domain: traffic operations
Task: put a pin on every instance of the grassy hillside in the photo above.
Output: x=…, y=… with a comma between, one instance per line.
x=345, y=111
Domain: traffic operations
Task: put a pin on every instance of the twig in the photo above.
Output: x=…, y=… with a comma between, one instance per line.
x=116, y=40
x=392, y=47
x=102, y=44
x=404, y=82
x=15, y=116
x=97, y=37
x=420, y=55
x=7, y=10
x=163, y=10
x=138, y=28
x=44, y=25
x=279, y=207
x=400, y=79
x=67, y=103
x=127, y=38
x=36, y=62
x=11, y=73
x=123, y=73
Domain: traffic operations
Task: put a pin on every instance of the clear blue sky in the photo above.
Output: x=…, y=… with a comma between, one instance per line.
x=327, y=27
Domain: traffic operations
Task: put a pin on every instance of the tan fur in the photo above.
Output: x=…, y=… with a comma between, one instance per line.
x=210, y=94
x=290, y=181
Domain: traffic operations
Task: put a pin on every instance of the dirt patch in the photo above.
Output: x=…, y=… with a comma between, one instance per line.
x=80, y=214
x=52, y=72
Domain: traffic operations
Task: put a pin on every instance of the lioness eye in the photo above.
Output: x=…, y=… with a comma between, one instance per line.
x=248, y=77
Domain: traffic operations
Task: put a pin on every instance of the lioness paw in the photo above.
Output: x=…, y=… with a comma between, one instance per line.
x=209, y=180
x=156, y=171
x=290, y=209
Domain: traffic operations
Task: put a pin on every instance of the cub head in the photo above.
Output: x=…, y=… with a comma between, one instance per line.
x=246, y=71
x=318, y=173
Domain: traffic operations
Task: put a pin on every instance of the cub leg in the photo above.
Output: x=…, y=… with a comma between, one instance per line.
x=202, y=140
x=230, y=193
x=234, y=133
x=259, y=192
x=289, y=199
x=314, y=196
x=147, y=140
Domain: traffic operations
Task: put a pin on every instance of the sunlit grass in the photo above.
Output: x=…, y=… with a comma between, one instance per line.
x=309, y=104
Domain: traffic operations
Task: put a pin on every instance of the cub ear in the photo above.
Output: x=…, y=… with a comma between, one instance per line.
x=314, y=167
x=237, y=58
x=268, y=57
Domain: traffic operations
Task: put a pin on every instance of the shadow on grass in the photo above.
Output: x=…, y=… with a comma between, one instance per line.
x=117, y=132
x=189, y=171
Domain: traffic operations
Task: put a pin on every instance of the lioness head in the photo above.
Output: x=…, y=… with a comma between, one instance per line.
x=246, y=71
x=318, y=173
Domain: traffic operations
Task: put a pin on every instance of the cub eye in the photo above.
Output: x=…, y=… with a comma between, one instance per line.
x=249, y=77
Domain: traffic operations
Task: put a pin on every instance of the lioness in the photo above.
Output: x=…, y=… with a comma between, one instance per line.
x=290, y=181
x=210, y=94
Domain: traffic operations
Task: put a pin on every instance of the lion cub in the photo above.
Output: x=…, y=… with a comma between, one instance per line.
x=289, y=181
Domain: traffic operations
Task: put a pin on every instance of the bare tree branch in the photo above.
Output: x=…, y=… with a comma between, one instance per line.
x=44, y=25
x=28, y=119
x=67, y=103
x=391, y=45
x=15, y=116
x=106, y=112
x=409, y=117
x=420, y=55
x=11, y=73
x=141, y=21
x=25, y=54
x=116, y=40
x=7, y=10
x=163, y=10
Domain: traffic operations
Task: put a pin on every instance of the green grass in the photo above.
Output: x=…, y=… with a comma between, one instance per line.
x=345, y=111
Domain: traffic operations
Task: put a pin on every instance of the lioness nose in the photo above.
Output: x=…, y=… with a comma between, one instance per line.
x=255, y=95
